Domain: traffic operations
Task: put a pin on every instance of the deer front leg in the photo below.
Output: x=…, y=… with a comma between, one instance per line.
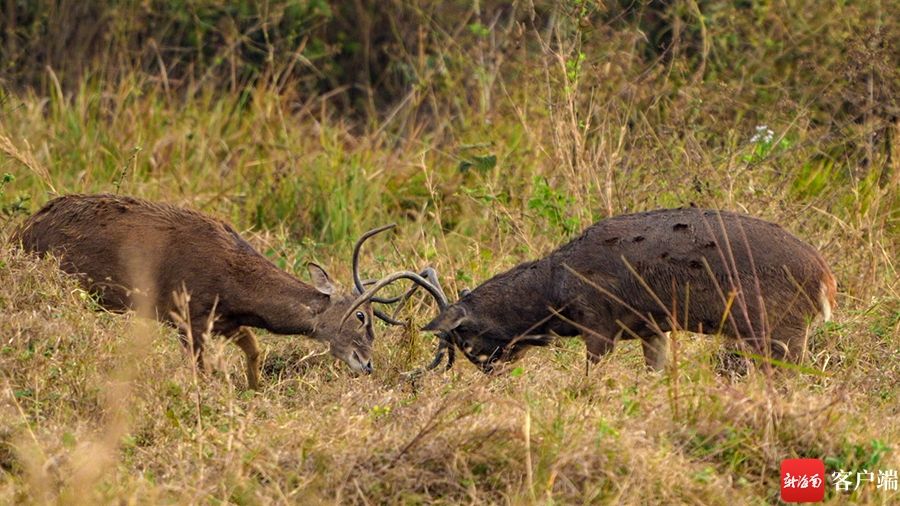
x=193, y=344
x=246, y=340
x=598, y=345
x=656, y=350
x=593, y=324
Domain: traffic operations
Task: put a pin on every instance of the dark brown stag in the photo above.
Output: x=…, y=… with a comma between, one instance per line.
x=137, y=254
x=639, y=276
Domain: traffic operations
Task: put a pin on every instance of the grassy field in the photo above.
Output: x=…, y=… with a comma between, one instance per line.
x=497, y=152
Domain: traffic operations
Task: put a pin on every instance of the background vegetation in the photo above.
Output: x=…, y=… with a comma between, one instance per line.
x=491, y=132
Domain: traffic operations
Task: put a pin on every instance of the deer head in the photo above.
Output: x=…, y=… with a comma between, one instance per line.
x=348, y=330
x=485, y=339
x=349, y=341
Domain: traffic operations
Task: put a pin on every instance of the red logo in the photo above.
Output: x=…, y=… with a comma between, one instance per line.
x=802, y=480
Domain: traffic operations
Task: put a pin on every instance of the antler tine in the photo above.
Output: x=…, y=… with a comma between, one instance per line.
x=443, y=345
x=431, y=275
x=357, y=282
x=428, y=273
x=387, y=319
x=451, y=356
x=438, y=356
x=412, y=276
x=391, y=300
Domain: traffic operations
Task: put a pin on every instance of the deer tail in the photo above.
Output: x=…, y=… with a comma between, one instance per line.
x=827, y=294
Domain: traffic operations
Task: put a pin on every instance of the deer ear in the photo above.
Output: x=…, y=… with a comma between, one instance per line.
x=320, y=278
x=447, y=320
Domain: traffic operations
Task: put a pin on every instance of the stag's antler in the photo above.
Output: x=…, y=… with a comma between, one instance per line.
x=360, y=284
x=369, y=295
x=357, y=281
x=444, y=344
x=429, y=281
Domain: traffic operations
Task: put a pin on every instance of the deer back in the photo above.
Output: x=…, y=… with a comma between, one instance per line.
x=126, y=248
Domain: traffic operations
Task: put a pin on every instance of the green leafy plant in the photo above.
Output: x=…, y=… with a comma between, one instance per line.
x=764, y=143
x=17, y=205
x=552, y=205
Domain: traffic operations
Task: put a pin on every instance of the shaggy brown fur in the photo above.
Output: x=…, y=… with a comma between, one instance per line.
x=642, y=275
x=136, y=254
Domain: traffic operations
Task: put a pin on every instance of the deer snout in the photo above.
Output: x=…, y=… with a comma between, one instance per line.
x=358, y=363
x=364, y=366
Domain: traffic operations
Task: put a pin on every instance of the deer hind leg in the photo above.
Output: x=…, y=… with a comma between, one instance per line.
x=656, y=350
x=246, y=340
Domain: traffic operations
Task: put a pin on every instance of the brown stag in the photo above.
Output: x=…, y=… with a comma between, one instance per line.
x=137, y=254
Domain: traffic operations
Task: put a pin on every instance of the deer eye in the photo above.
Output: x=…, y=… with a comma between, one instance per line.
x=361, y=316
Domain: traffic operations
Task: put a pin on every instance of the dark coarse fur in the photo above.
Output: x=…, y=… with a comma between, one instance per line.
x=136, y=254
x=630, y=276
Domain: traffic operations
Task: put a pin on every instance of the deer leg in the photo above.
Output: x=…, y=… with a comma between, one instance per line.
x=246, y=340
x=194, y=346
x=598, y=345
x=656, y=350
x=789, y=342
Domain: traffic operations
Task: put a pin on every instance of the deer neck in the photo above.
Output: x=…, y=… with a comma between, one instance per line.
x=523, y=299
x=277, y=301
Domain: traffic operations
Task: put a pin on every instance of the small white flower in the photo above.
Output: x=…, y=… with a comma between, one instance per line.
x=763, y=135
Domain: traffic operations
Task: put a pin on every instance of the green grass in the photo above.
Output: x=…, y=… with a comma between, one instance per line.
x=481, y=170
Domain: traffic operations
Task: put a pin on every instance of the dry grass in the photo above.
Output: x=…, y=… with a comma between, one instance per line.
x=495, y=157
x=79, y=429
